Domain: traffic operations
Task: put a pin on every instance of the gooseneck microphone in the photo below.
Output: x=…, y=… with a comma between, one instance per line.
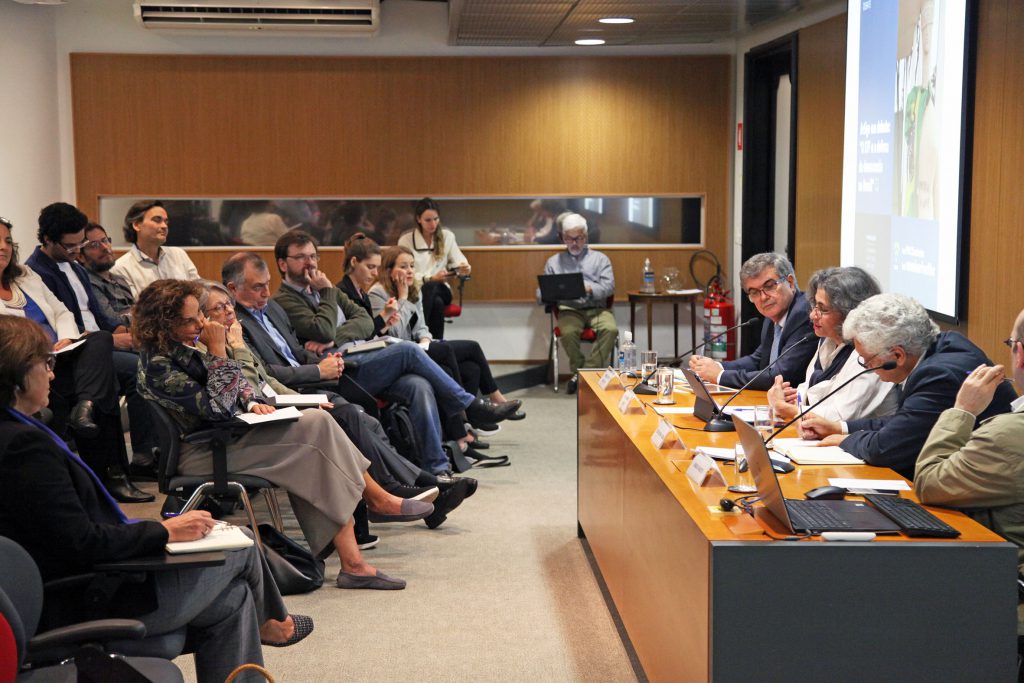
x=642, y=387
x=887, y=365
x=674, y=363
x=719, y=422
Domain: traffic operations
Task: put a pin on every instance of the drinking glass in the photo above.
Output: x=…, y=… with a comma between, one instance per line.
x=666, y=386
x=648, y=364
x=743, y=480
x=764, y=420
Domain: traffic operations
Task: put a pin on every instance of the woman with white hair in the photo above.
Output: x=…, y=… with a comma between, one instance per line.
x=833, y=293
x=928, y=367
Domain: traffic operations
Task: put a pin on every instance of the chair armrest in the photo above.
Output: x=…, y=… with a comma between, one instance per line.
x=97, y=631
x=226, y=431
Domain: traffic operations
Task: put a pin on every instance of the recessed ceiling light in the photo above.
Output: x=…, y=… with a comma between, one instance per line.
x=617, y=20
x=590, y=41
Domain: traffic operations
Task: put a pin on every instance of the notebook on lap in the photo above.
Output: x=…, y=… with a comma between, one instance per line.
x=563, y=287
x=805, y=516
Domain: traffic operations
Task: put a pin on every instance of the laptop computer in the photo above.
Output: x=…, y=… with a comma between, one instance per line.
x=704, y=405
x=805, y=516
x=562, y=287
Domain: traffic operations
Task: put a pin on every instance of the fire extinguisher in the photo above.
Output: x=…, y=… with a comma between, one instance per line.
x=719, y=314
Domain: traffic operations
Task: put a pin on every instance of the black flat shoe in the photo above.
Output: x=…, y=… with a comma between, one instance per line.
x=446, y=502
x=518, y=415
x=480, y=411
x=480, y=445
x=81, y=420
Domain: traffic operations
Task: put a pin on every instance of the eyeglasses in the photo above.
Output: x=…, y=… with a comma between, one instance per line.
x=219, y=308
x=574, y=240
x=1011, y=342
x=766, y=288
x=51, y=361
x=106, y=241
x=313, y=258
x=819, y=309
x=72, y=248
x=866, y=362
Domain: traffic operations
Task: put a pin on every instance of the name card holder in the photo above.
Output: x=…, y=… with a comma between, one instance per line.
x=704, y=471
x=662, y=435
x=625, y=403
x=607, y=378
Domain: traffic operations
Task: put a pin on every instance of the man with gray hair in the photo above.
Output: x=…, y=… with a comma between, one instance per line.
x=893, y=334
x=770, y=284
x=590, y=311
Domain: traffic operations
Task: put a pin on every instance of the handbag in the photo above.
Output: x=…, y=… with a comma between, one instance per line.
x=294, y=568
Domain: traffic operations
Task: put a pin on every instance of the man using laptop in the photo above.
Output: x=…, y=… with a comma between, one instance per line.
x=770, y=284
x=591, y=310
x=980, y=470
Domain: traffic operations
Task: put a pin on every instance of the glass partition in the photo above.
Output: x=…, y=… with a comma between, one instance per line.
x=612, y=220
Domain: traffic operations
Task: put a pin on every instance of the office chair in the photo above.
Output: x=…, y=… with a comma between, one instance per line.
x=588, y=335
x=198, y=488
x=62, y=654
x=454, y=310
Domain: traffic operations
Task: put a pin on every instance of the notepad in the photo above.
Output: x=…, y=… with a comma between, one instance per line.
x=279, y=415
x=298, y=400
x=822, y=455
x=361, y=347
x=222, y=536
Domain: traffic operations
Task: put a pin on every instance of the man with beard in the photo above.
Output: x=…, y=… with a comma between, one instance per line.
x=591, y=310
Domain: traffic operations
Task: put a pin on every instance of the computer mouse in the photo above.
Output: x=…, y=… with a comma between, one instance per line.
x=777, y=465
x=826, y=493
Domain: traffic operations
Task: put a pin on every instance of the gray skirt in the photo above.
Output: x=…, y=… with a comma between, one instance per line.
x=312, y=459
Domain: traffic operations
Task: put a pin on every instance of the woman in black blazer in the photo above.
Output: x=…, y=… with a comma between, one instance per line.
x=55, y=507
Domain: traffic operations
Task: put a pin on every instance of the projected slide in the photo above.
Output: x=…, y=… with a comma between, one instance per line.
x=903, y=146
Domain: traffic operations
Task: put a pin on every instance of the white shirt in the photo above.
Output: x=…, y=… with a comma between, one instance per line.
x=425, y=263
x=139, y=271
x=88, y=319
x=867, y=396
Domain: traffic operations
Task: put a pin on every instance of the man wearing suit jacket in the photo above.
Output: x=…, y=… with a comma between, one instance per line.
x=930, y=368
x=769, y=282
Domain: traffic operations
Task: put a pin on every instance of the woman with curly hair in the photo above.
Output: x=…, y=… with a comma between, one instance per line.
x=312, y=459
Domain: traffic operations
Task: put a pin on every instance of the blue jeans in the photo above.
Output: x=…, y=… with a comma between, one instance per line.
x=403, y=372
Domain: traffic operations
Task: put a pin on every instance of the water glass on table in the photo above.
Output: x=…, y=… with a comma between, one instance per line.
x=648, y=364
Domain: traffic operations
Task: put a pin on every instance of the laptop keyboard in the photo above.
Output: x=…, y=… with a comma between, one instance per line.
x=808, y=515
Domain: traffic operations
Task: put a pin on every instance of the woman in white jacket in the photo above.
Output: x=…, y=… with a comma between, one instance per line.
x=84, y=378
x=833, y=293
x=437, y=258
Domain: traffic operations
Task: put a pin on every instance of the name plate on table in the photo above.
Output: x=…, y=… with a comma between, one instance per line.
x=607, y=378
x=704, y=471
x=662, y=434
x=625, y=403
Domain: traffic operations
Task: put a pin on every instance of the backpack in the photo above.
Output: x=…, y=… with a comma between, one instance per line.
x=400, y=431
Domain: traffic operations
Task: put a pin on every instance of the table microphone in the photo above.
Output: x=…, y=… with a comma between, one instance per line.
x=674, y=363
x=642, y=387
x=887, y=365
x=719, y=422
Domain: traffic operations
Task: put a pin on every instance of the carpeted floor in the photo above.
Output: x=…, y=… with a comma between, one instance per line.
x=503, y=591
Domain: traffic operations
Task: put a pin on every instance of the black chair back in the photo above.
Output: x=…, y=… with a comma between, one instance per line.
x=21, y=593
x=168, y=445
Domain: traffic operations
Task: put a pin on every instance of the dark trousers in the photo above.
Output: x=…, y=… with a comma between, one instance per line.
x=126, y=367
x=436, y=295
x=465, y=362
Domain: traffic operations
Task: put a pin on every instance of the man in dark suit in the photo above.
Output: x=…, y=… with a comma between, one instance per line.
x=930, y=367
x=396, y=372
x=769, y=282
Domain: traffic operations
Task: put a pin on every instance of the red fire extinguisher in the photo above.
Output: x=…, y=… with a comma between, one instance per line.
x=719, y=315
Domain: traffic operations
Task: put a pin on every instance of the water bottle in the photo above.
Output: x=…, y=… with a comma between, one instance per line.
x=648, y=286
x=627, y=353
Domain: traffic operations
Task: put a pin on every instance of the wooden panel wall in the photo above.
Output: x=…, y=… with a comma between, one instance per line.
x=821, y=94
x=997, y=208
x=180, y=125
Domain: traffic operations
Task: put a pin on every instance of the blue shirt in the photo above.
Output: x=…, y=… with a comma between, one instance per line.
x=597, y=274
x=268, y=325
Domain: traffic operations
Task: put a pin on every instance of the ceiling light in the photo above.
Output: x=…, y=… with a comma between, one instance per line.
x=590, y=41
x=617, y=20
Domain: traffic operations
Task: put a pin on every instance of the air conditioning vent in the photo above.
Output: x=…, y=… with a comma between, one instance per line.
x=341, y=17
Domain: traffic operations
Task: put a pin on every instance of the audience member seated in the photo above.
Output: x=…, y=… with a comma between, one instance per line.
x=85, y=381
x=148, y=260
x=981, y=471
x=930, y=367
x=463, y=360
x=590, y=311
x=769, y=282
x=395, y=474
x=835, y=292
x=312, y=459
x=438, y=259
x=362, y=263
x=53, y=505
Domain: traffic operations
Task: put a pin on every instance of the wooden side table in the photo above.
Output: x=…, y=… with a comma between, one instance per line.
x=663, y=297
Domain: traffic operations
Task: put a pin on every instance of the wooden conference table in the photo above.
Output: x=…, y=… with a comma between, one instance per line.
x=707, y=596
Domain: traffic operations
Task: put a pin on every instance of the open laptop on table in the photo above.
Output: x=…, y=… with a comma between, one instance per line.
x=561, y=287
x=704, y=404
x=805, y=516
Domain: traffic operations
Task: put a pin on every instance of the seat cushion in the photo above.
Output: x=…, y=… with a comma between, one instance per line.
x=452, y=311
